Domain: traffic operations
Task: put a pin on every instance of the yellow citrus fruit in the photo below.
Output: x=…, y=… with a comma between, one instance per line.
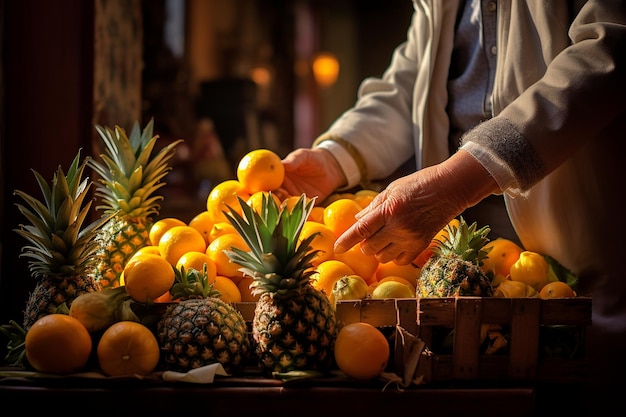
x=246, y=290
x=127, y=348
x=409, y=272
x=502, y=254
x=143, y=250
x=147, y=277
x=349, y=287
x=58, y=344
x=557, y=289
x=361, y=351
x=513, y=289
x=216, y=249
x=364, y=197
x=531, y=268
x=179, y=240
x=362, y=264
x=225, y=194
x=260, y=170
x=197, y=261
x=340, y=215
x=256, y=200
x=397, y=279
x=203, y=223
x=229, y=292
x=392, y=289
x=323, y=242
x=161, y=226
x=327, y=273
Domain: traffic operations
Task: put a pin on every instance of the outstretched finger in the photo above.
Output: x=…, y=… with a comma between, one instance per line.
x=363, y=228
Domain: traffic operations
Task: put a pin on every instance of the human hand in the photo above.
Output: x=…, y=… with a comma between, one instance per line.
x=402, y=219
x=312, y=171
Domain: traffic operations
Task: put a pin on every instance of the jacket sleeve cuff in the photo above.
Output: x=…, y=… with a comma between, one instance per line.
x=347, y=163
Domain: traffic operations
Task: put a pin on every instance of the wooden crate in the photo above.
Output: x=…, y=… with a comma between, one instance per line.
x=523, y=319
x=531, y=325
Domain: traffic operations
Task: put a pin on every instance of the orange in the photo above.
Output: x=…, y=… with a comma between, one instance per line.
x=323, y=242
x=557, y=289
x=147, y=277
x=260, y=170
x=229, y=292
x=501, y=256
x=148, y=249
x=410, y=272
x=225, y=194
x=197, y=261
x=58, y=344
x=362, y=264
x=364, y=197
x=216, y=252
x=392, y=289
x=246, y=290
x=532, y=269
x=340, y=215
x=349, y=287
x=221, y=228
x=256, y=200
x=327, y=273
x=317, y=214
x=203, y=223
x=179, y=240
x=361, y=351
x=161, y=226
x=127, y=348
x=289, y=202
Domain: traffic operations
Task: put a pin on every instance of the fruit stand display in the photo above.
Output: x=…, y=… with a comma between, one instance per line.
x=252, y=291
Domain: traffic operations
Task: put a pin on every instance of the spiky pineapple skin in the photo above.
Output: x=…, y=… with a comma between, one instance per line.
x=198, y=332
x=51, y=292
x=451, y=276
x=119, y=239
x=297, y=333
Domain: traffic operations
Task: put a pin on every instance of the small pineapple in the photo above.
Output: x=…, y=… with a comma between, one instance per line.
x=61, y=250
x=201, y=329
x=294, y=325
x=454, y=268
x=129, y=177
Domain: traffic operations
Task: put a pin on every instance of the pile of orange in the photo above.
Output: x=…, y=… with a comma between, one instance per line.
x=202, y=241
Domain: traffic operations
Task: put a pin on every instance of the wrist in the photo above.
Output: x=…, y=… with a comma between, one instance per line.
x=469, y=178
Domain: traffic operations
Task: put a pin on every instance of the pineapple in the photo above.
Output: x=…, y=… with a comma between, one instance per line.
x=294, y=325
x=201, y=329
x=61, y=250
x=454, y=268
x=129, y=177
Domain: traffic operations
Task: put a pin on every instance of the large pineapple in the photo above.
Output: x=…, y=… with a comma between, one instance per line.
x=201, y=329
x=62, y=248
x=129, y=177
x=454, y=268
x=294, y=325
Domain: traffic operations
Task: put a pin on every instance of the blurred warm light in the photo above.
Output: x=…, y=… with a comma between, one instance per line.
x=325, y=69
x=261, y=76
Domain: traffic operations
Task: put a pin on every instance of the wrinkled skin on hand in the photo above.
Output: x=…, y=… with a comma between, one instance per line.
x=400, y=222
x=314, y=172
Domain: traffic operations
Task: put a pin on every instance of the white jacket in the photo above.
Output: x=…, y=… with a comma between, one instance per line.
x=555, y=143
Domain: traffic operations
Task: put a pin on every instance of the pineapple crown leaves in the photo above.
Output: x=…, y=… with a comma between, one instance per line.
x=59, y=243
x=129, y=173
x=191, y=283
x=464, y=241
x=276, y=260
